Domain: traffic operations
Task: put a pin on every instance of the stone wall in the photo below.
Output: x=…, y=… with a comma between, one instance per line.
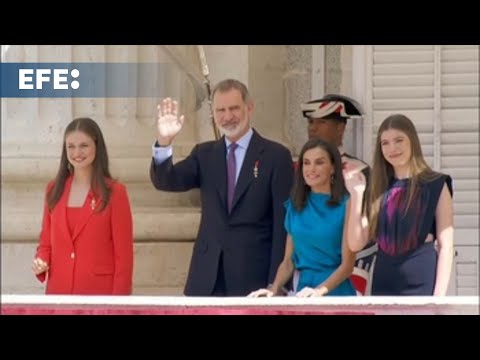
x=165, y=224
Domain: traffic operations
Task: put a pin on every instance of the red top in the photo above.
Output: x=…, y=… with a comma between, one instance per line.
x=73, y=214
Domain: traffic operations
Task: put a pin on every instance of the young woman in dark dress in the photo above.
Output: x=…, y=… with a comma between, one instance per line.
x=409, y=210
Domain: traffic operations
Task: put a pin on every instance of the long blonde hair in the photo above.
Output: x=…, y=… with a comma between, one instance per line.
x=382, y=171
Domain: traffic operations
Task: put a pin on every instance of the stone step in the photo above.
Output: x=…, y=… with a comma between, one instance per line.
x=159, y=268
x=174, y=223
x=31, y=195
x=127, y=169
x=166, y=223
x=51, y=151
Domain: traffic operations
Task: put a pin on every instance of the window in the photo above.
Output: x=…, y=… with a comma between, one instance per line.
x=437, y=86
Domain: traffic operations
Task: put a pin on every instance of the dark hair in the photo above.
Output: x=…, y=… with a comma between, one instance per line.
x=101, y=171
x=301, y=190
x=229, y=84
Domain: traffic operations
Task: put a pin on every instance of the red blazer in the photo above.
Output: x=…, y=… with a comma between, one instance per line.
x=97, y=259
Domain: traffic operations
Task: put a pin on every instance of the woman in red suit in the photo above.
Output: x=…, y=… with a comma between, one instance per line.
x=86, y=241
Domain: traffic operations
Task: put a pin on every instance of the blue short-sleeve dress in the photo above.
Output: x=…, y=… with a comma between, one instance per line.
x=317, y=233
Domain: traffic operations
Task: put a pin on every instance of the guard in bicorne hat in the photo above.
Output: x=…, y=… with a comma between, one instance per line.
x=327, y=119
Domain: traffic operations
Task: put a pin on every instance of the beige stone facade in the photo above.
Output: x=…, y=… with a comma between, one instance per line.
x=165, y=224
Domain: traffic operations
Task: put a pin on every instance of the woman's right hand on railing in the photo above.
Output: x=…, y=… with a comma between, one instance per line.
x=261, y=293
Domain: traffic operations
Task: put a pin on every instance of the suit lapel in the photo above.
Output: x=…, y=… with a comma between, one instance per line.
x=255, y=148
x=62, y=208
x=219, y=161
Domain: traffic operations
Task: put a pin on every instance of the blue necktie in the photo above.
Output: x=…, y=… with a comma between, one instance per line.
x=231, y=172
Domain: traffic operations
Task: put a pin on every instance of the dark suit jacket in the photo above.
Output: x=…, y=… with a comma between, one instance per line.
x=252, y=237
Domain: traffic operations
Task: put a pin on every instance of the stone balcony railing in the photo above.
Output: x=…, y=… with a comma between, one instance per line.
x=171, y=305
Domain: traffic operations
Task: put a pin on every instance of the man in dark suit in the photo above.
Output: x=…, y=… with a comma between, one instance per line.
x=244, y=180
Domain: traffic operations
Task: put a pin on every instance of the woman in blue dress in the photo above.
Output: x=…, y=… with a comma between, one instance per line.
x=409, y=207
x=315, y=224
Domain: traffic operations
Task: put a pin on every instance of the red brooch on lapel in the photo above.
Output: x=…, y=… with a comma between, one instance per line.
x=255, y=169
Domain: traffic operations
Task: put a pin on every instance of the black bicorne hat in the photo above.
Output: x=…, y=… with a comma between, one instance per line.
x=332, y=106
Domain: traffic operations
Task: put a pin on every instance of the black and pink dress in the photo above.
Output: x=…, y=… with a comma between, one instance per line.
x=406, y=264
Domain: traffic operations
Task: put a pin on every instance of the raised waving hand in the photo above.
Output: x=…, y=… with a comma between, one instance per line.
x=169, y=123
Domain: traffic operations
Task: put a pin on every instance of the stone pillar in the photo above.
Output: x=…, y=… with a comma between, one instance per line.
x=298, y=84
x=267, y=86
x=338, y=64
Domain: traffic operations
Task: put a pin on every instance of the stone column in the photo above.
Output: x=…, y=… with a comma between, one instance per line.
x=298, y=84
x=338, y=60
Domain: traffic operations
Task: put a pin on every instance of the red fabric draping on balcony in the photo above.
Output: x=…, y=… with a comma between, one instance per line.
x=181, y=310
